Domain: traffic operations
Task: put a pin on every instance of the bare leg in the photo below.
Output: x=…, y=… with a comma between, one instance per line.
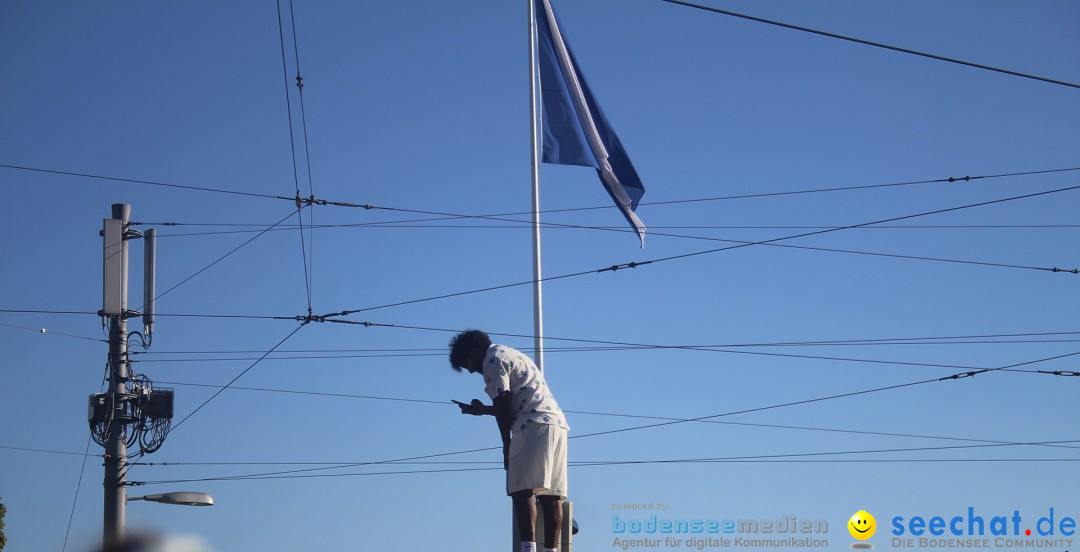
x=525, y=511
x=553, y=519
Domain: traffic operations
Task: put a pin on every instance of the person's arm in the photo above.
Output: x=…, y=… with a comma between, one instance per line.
x=500, y=408
x=505, y=419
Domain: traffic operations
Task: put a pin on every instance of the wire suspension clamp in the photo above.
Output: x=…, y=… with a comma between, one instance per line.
x=963, y=375
x=613, y=268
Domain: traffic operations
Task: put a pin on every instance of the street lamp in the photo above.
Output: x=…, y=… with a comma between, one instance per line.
x=179, y=498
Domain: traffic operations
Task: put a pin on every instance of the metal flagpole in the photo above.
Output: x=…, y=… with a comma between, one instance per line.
x=538, y=311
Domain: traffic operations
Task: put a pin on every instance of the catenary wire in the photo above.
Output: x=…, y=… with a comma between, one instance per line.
x=745, y=458
x=46, y=311
x=292, y=151
x=586, y=463
x=521, y=225
x=703, y=349
x=78, y=487
x=590, y=413
x=781, y=461
x=789, y=246
x=836, y=396
x=45, y=451
x=562, y=210
x=871, y=43
x=654, y=233
x=82, y=470
x=428, y=351
x=238, y=376
x=614, y=345
x=759, y=195
x=635, y=345
x=635, y=264
x=46, y=331
x=310, y=251
x=144, y=182
x=687, y=420
x=223, y=257
x=894, y=219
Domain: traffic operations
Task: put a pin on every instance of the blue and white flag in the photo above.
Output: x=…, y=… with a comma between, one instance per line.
x=575, y=131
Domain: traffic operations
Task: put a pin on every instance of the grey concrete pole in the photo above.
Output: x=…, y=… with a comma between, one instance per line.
x=115, y=448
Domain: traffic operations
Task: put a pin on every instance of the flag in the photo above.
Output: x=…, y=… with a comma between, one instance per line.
x=575, y=131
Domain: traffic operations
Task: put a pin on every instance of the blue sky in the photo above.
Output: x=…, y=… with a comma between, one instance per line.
x=423, y=106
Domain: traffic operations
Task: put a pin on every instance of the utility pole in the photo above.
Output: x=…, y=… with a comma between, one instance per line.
x=115, y=309
x=132, y=411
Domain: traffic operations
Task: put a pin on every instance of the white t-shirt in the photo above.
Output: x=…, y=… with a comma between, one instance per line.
x=507, y=369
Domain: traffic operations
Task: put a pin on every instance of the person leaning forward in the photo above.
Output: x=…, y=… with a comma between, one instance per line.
x=532, y=427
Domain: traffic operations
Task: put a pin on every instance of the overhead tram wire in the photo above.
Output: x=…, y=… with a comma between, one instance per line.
x=815, y=461
x=686, y=348
x=759, y=195
x=602, y=345
x=894, y=219
x=580, y=463
x=745, y=458
x=428, y=352
x=637, y=264
x=314, y=201
x=310, y=254
x=144, y=182
x=44, y=311
x=307, y=473
x=45, y=451
x=78, y=488
x=441, y=351
x=501, y=218
x=520, y=224
x=800, y=247
x=223, y=257
x=46, y=331
x=591, y=413
x=292, y=147
x=871, y=43
x=609, y=345
x=964, y=375
x=625, y=345
x=443, y=216
x=82, y=470
x=958, y=376
x=235, y=379
x=753, y=353
x=781, y=461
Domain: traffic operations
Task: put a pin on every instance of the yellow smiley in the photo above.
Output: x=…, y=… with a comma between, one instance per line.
x=862, y=525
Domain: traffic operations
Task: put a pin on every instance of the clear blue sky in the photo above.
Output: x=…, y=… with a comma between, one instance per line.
x=424, y=106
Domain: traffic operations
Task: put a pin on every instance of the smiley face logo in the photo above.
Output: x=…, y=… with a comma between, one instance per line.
x=862, y=525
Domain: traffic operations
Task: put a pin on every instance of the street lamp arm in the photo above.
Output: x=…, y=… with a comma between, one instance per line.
x=178, y=498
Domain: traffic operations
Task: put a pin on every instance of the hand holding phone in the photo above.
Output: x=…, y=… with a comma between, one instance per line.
x=474, y=408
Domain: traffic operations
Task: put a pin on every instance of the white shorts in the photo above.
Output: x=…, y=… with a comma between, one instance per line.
x=538, y=460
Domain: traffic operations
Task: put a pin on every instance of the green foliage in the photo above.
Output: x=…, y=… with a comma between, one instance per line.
x=3, y=539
